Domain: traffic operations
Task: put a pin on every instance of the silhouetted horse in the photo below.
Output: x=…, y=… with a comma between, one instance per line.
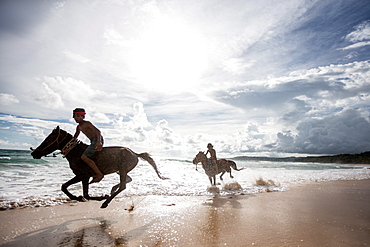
x=111, y=159
x=223, y=165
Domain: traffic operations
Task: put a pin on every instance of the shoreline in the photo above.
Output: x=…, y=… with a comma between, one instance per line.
x=333, y=213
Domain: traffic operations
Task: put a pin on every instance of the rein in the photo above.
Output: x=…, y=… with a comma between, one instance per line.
x=56, y=140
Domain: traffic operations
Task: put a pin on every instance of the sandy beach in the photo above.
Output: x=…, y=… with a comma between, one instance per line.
x=318, y=214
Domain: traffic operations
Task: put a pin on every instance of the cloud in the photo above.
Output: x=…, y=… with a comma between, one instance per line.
x=356, y=45
x=360, y=37
x=237, y=65
x=5, y=144
x=309, y=111
x=50, y=98
x=345, y=132
x=320, y=90
x=23, y=132
x=8, y=99
x=76, y=57
x=247, y=76
x=361, y=33
x=165, y=134
x=67, y=93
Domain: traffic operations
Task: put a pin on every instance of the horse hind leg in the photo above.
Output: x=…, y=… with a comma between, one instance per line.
x=114, y=188
x=121, y=186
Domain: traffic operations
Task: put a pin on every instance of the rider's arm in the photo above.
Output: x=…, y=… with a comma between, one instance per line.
x=77, y=132
x=97, y=133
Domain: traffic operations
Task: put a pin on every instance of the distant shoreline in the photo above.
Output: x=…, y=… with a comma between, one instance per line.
x=355, y=159
x=352, y=159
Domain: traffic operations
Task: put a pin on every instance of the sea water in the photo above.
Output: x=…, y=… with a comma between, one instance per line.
x=28, y=182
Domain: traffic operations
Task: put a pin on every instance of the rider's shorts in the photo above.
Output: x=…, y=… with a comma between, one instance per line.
x=91, y=149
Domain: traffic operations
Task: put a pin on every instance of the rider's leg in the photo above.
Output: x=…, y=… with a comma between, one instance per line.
x=215, y=164
x=99, y=175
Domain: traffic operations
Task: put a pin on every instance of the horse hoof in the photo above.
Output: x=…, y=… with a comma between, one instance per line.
x=104, y=205
x=81, y=199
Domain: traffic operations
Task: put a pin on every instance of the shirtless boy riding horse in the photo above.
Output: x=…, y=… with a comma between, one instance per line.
x=213, y=158
x=96, y=140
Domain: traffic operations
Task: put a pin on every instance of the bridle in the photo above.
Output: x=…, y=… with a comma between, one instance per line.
x=201, y=159
x=56, y=140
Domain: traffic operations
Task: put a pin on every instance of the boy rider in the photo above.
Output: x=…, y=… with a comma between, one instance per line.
x=96, y=140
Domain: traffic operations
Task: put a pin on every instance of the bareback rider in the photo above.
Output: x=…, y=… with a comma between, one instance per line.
x=96, y=140
x=213, y=158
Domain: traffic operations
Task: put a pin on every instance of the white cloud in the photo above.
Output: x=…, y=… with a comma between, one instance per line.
x=8, y=99
x=320, y=90
x=31, y=130
x=5, y=144
x=76, y=57
x=360, y=37
x=356, y=45
x=99, y=117
x=50, y=98
x=235, y=61
x=237, y=65
x=67, y=93
x=361, y=33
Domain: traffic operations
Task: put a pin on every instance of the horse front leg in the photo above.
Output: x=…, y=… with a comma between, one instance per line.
x=210, y=180
x=214, y=180
x=65, y=190
x=223, y=172
x=115, y=190
x=85, y=186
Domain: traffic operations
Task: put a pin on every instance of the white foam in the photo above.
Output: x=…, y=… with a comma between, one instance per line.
x=42, y=181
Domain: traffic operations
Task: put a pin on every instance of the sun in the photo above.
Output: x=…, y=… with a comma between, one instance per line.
x=169, y=56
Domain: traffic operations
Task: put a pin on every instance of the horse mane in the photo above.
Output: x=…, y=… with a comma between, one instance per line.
x=69, y=134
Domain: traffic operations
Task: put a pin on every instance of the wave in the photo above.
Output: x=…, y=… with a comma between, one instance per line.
x=26, y=182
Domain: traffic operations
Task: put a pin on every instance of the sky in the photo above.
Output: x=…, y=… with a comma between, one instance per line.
x=268, y=77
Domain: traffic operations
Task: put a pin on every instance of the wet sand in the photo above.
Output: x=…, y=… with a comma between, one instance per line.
x=319, y=214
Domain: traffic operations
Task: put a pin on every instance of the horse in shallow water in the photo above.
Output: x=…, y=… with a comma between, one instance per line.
x=223, y=165
x=111, y=159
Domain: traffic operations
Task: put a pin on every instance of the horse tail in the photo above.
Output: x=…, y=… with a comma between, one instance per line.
x=233, y=165
x=146, y=157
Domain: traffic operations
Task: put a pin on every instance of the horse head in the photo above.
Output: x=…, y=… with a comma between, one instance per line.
x=50, y=144
x=200, y=157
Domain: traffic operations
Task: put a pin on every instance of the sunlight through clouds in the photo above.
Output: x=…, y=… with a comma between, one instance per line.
x=169, y=56
x=168, y=77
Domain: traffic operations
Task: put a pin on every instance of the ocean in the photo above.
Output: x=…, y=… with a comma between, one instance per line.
x=27, y=182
